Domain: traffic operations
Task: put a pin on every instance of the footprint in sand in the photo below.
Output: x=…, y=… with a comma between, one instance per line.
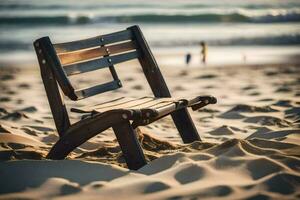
x=5, y=99
x=156, y=187
x=284, y=89
x=254, y=93
x=249, y=87
x=283, y=103
x=225, y=130
x=207, y=76
x=190, y=174
x=137, y=87
x=129, y=79
x=234, y=113
x=216, y=191
x=231, y=115
x=252, y=109
x=29, y=109
x=6, y=77
x=266, y=99
x=262, y=167
x=293, y=112
x=24, y=86
x=274, y=134
x=179, y=88
x=271, y=73
x=14, y=116
x=268, y=121
x=284, y=183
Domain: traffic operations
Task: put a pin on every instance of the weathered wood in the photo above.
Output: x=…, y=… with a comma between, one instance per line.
x=119, y=113
x=96, y=64
x=89, y=108
x=87, y=54
x=111, y=67
x=124, y=103
x=203, y=101
x=93, y=42
x=181, y=118
x=121, y=105
x=185, y=126
x=156, y=103
x=130, y=146
x=97, y=89
x=149, y=65
x=137, y=103
x=82, y=131
x=50, y=57
x=56, y=103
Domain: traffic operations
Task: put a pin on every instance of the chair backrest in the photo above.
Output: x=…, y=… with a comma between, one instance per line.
x=58, y=61
x=71, y=58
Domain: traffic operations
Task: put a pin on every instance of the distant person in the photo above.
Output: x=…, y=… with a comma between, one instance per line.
x=244, y=58
x=203, y=52
x=188, y=58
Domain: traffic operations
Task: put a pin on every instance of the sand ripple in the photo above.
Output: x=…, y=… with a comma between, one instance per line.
x=250, y=147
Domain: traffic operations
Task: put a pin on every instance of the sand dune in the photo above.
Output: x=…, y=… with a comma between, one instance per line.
x=234, y=168
x=250, y=147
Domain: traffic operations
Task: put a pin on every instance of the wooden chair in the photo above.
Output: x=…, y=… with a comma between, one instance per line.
x=58, y=61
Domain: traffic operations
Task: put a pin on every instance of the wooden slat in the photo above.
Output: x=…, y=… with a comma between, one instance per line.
x=127, y=105
x=181, y=117
x=107, y=104
x=77, y=56
x=55, y=100
x=87, y=92
x=89, y=109
x=152, y=103
x=166, y=109
x=93, y=42
x=82, y=131
x=133, y=104
x=141, y=103
x=52, y=61
x=99, y=63
x=121, y=103
x=132, y=151
x=161, y=108
x=162, y=104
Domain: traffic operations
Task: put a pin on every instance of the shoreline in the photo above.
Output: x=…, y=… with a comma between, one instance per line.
x=34, y=66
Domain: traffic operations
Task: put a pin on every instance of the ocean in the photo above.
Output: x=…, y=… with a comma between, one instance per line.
x=235, y=31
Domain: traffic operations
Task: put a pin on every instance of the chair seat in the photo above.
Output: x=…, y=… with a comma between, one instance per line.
x=147, y=107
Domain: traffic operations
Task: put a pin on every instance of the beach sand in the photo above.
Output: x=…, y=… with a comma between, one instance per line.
x=250, y=147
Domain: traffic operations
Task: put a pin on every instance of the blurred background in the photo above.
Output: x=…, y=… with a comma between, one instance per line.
x=235, y=31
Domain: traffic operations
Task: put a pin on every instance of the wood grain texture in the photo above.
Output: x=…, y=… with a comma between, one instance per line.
x=52, y=61
x=130, y=146
x=92, y=54
x=181, y=118
x=82, y=131
x=161, y=106
x=100, y=63
x=56, y=102
x=88, y=54
x=93, y=42
x=91, y=91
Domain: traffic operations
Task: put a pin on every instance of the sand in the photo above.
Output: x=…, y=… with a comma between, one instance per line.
x=250, y=147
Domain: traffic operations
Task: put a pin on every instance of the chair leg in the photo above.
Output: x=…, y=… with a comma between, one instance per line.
x=185, y=126
x=130, y=146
